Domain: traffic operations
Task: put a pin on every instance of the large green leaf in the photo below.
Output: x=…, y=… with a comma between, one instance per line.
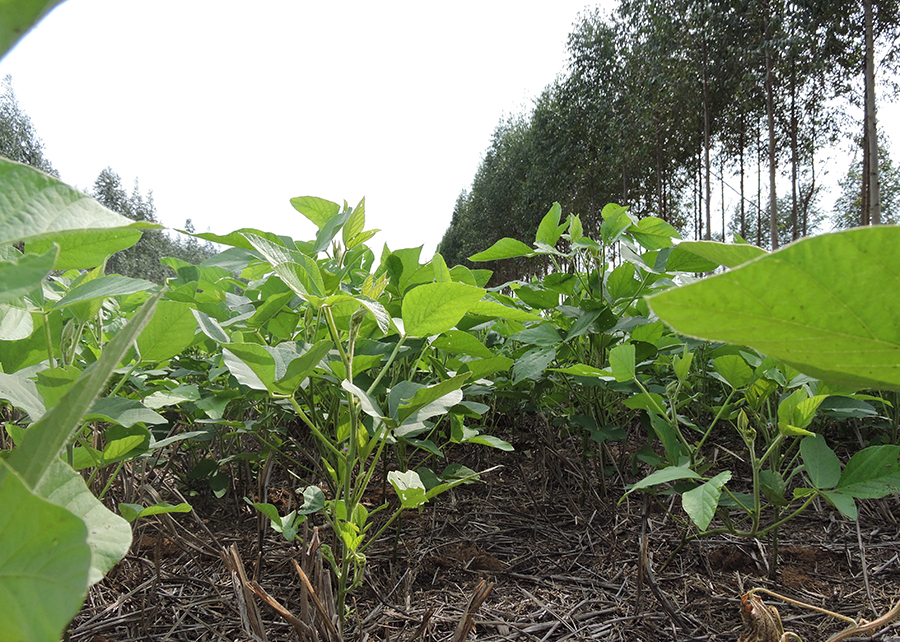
x=251, y=364
x=824, y=305
x=18, y=17
x=172, y=330
x=108, y=535
x=45, y=563
x=85, y=249
x=41, y=210
x=436, y=307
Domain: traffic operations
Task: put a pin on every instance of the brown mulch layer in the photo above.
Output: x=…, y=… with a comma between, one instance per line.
x=561, y=560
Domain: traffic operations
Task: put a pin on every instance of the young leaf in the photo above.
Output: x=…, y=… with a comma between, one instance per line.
x=701, y=502
x=662, y=476
x=822, y=465
x=733, y=370
x=621, y=362
x=549, y=229
x=505, y=248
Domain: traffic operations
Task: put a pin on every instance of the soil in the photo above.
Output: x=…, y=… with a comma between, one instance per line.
x=544, y=548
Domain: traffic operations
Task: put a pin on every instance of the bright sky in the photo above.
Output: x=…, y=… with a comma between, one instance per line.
x=226, y=110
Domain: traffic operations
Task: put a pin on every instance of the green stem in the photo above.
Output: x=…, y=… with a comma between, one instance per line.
x=49, y=341
x=387, y=365
x=322, y=438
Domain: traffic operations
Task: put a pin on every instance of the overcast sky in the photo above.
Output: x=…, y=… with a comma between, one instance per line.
x=226, y=110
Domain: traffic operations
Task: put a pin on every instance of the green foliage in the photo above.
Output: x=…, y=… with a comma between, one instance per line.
x=18, y=137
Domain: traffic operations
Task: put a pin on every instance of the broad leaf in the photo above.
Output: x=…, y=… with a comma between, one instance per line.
x=810, y=304
x=436, y=307
x=822, y=465
x=171, y=331
x=18, y=278
x=45, y=563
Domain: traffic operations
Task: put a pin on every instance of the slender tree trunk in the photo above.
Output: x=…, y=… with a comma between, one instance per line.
x=708, y=186
x=759, y=146
x=874, y=196
x=742, y=142
x=795, y=223
x=770, y=117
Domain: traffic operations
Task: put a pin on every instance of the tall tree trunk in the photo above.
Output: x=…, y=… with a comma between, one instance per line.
x=795, y=223
x=708, y=186
x=742, y=143
x=874, y=196
x=770, y=117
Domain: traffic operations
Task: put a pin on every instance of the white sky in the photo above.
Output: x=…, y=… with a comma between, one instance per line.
x=228, y=109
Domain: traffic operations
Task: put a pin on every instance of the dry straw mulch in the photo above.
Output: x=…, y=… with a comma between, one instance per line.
x=534, y=553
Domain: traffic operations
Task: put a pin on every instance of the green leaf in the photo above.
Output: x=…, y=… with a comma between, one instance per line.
x=582, y=370
x=459, y=342
x=496, y=310
x=822, y=465
x=251, y=364
x=434, y=308
x=710, y=255
x=298, y=271
x=301, y=367
x=505, y=248
x=621, y=362
x=532, y=364
x=45, y=438
x=171, y=331
x=549, y=229
x=313, y=500
x=844, y=503
x=662, y=476
x=649, y=401
x=872, y=473
x=85, y=249
x=18, y=278
x=653, y=233
x=108, y=536
x=16, y=20
x=615, y=221
x=125, y=412
x=22, y=393
x=734, y=370
x=682, y=365
x=409, y=488
x=317, y=210
x=805, y=305
x=211, y=328
x=701, y=502
x=483, y=367
x=544, y=334
x=15, y=323
x=103, y=287
x=45, y=563
x=355, y=223
x=131, y=512
x=368, y=405
x=423, y=402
